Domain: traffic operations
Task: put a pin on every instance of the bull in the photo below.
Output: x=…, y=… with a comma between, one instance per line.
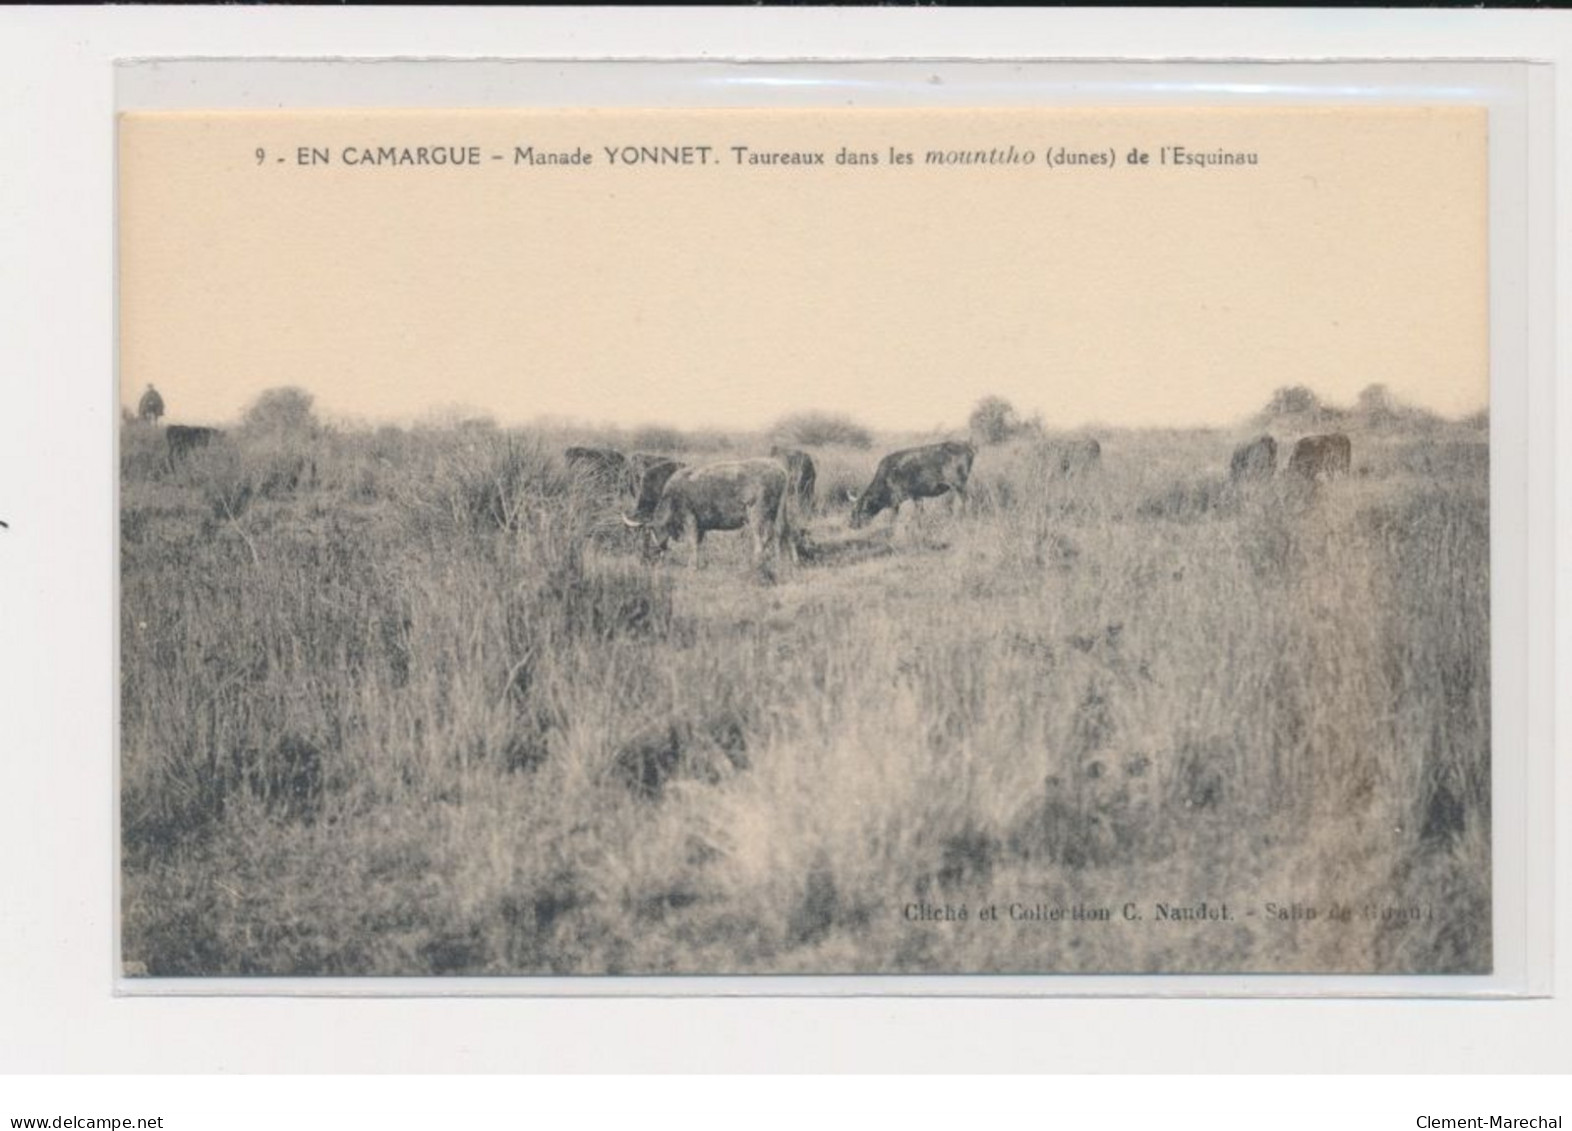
x=916, y=474
x=651, y=482
x=750, y=495
x=639, y=463
x=801, y=473
x=183, y=439
x=1255, y=459
x=1326, y=456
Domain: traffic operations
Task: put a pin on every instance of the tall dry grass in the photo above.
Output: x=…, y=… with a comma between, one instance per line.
x=409, y=703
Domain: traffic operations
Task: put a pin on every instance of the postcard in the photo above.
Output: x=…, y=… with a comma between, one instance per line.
x=1032, y=541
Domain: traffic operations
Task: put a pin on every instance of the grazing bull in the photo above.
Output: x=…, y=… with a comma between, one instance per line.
x=801, y=473
x=183, y=439
x=1075, y=457
x=606, y=467
x=638, y=464
x=1316, y=456
x=917, y=474
x=652, y=481
x=1256, y=459
x=749, y=495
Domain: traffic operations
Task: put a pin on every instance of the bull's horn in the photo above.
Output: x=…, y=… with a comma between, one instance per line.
x=626, y=521
x=851, y=496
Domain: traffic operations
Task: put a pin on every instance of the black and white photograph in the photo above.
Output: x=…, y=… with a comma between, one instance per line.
x=804, y=542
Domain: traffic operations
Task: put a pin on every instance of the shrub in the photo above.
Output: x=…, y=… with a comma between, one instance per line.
x=1378, y=409
x=492, y=485
x=1290, y=401
x=1376, y=400
x=994, y=420
x=810, y=429
x=1297, y=406
x=284, y=411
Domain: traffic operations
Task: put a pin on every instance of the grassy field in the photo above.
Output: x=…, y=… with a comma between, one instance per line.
x=407, y=702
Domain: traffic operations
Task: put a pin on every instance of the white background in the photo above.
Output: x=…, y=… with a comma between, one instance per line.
x=57, y=668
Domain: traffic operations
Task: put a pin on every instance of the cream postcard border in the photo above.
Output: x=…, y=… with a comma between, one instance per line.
x=1507, y=89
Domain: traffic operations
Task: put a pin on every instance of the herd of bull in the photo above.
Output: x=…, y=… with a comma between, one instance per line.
x=1314, y=457
x=674, y=500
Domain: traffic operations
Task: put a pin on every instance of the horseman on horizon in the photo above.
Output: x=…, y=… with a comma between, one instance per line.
x=151, y=406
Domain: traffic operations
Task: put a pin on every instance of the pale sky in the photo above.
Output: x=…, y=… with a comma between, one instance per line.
x=726, y=294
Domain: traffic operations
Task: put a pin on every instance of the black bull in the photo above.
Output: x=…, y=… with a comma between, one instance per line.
x=1256, y=459
x=916, y=474
x=652, y=477
x=1317, y=456
x=183, y=439
x=803, y=476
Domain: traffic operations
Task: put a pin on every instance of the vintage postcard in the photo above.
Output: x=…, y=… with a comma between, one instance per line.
x=732, y=542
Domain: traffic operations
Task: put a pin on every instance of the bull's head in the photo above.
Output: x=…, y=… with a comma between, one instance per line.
x=655, y=539
x=864, y=506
